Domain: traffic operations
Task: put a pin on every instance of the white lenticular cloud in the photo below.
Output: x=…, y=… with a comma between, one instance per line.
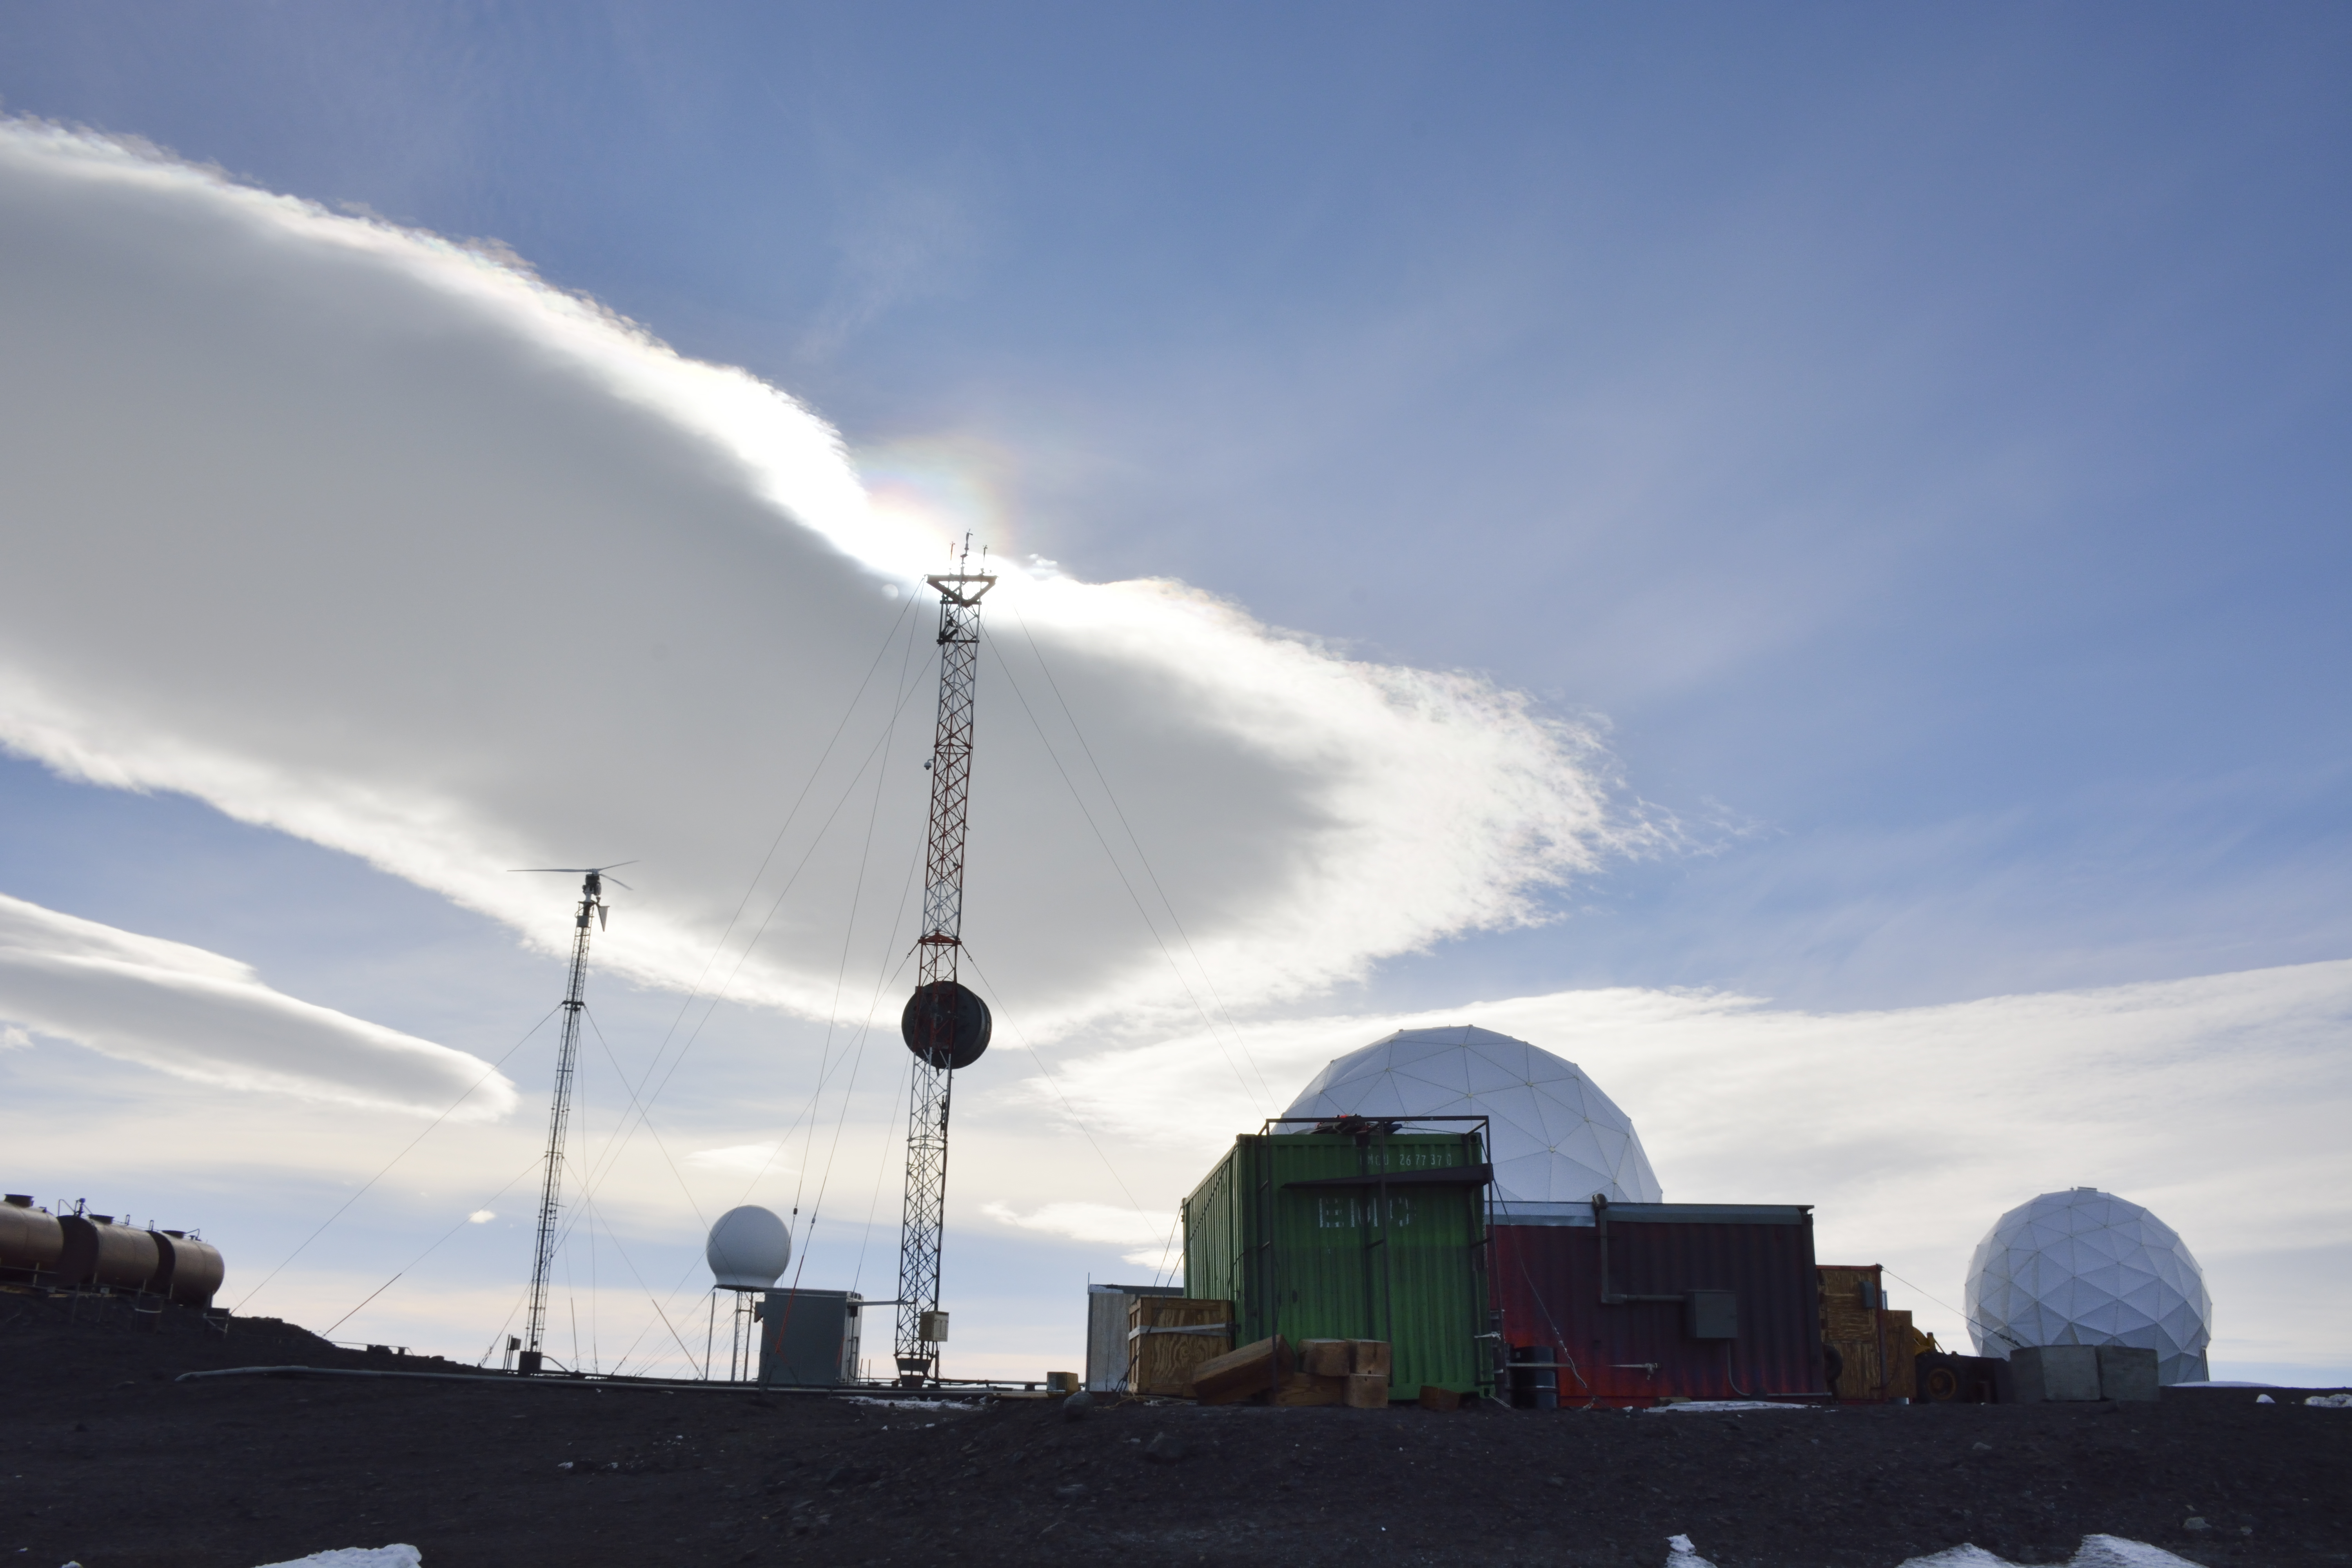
x=196, y=1015
x=1147, y=1239
x=1089, y=1222
x=742, y=1159
x=379, y=541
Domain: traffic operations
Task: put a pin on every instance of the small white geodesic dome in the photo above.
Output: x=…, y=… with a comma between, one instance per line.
x=1556, y=1137
x=2087, y=1268
x=748, y=1249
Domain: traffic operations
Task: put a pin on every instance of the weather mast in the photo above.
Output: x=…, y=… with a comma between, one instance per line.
x=944, y=1024
x=592, y=914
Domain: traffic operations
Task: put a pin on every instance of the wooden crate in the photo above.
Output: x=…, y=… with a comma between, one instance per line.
x=1303, y=1389
x=1168, y=1336
x=1878, y=1346
x=1248, y=1375
x=1850, y=1298
x=1902, y=1379
x=1326, y=1358
x=1850, y=1325
x=1862, y=1376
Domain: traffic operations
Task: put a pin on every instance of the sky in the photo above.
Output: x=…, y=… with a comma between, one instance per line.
x=1793, y=558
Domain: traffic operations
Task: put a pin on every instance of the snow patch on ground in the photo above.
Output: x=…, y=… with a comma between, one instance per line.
x=1736, y=1406
x=396, y=1556
x=2096, y=1551
x=958, y=1406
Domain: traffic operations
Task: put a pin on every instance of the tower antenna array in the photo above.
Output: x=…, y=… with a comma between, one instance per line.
x=567, y=1053
x=945, y=1026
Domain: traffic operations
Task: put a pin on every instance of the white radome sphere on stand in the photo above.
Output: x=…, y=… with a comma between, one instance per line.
x=1556, y=1138
x=748, y=1249
x=2087, y=1268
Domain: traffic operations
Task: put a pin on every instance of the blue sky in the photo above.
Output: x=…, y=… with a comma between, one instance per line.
x=1909, y=439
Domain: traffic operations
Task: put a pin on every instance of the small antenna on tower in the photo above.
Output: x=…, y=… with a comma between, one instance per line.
x=567, y=1055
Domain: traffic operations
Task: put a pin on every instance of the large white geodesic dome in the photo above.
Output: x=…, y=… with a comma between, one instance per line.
x=2087, y=1268
x=1555, y=1137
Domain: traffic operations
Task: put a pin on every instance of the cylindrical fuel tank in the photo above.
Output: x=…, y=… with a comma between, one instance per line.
x=29, y=1239
x=99, y=1252
x=190, y=1271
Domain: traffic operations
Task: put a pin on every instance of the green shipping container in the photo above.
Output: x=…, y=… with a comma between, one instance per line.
x=1328, y=1235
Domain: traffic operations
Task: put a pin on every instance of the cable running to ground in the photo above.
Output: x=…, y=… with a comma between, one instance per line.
x=488, y=1073
x=1047, y=1069
x=645, y=1114
x=848, y=936
x=853, y=1051
x=327, y=1333
x=718, y=947
x=1262, y=1094
x=1168, y=903
x=882, y=982
x=773, y=844
x=1963, y=1317
x=646, y=1102
x=891, y=1139
x=631, y=1263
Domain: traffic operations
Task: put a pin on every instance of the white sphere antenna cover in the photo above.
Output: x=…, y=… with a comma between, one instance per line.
x=2087, y=1268
x=748, y=1249
x=1555, y=1137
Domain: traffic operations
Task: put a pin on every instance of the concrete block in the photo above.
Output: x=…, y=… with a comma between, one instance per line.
x=2126, y=1372
x=2055, y=1373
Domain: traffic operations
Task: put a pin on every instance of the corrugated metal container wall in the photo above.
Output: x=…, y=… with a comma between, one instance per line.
x=1548, y=1284
x=1299, y=1232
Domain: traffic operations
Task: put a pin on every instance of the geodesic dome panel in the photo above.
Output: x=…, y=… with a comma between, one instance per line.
x=2087, y=1268
x=1555, y=1138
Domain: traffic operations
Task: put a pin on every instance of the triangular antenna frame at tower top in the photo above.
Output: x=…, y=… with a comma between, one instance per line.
x=591, y=915
x=945, y=1025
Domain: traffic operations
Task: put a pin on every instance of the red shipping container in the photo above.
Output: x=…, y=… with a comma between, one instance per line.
x=1635, y=1302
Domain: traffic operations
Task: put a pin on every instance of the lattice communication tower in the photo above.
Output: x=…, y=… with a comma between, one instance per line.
x=945, y=1026
x=593, y=909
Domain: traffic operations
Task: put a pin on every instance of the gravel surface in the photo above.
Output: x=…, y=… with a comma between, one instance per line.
x=112, y=1463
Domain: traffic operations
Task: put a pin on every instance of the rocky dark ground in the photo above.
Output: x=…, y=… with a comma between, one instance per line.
x=110, y=1463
